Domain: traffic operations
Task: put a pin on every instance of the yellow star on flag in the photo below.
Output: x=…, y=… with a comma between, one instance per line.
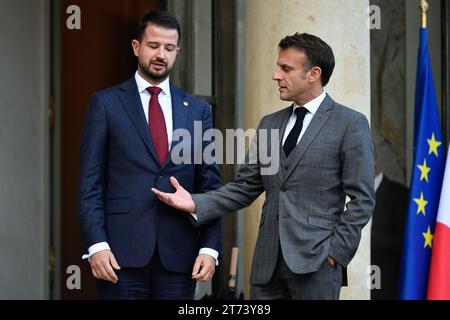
x=428, y=238
x=434, y=145
x=421, y=203
x=424, y=170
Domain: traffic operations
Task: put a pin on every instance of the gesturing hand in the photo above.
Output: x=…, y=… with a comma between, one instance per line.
x=180, y=199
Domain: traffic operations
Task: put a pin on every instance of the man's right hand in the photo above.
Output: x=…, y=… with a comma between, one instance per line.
x=180, y=199
x=103, y=265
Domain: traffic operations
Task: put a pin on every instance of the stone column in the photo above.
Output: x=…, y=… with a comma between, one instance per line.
x=24, y=155
x=343, y=25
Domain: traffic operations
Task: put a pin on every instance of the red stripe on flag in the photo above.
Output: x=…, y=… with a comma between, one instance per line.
x=439, y=279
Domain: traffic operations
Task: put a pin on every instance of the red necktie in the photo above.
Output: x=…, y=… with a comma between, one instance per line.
x=157, y=125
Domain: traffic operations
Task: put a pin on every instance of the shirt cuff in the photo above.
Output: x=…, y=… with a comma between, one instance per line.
x=96, y=248
x=210, y=252
x=194, y=215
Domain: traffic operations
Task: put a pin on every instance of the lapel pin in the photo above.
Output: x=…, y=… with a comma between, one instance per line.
x=321, y=115
x=185, y=103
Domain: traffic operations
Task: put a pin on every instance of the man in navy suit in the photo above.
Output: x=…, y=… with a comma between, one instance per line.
x=138, y=247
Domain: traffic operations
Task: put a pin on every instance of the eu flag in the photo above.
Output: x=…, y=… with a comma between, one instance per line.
x=426, y=181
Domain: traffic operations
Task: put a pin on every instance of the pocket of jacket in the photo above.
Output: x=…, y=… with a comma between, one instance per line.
x=117, y=205
x=321, y=222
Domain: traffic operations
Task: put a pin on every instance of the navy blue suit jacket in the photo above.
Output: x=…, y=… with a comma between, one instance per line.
x=119, y=167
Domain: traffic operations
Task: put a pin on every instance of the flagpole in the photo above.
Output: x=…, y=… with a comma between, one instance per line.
x=423, y=9
x=445, y=7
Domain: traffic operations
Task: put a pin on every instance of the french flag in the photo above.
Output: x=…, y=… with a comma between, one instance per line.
x=439, y=276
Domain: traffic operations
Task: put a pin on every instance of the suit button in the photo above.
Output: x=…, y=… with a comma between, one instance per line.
x=161, y=177
x=283, y=189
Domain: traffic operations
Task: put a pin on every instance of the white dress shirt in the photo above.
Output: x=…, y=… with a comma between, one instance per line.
x=165, y=101
x=312, y=107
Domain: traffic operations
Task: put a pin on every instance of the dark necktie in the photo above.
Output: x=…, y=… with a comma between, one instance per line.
x=291, y=140
x=157, y=125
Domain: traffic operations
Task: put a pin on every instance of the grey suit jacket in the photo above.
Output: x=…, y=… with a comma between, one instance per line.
x=305, y=200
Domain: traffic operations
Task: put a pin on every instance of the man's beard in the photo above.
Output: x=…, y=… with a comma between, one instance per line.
x=157, y=77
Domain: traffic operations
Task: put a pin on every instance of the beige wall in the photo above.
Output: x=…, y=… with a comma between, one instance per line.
x=342, y=24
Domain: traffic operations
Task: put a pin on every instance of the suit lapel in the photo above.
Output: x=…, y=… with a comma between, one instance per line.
x=180, y=114
x=131, y=102
x=317, y=123
x=281, y=124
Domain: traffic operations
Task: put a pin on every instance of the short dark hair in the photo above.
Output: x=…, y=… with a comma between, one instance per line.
x=158, y=18
x=319, y=53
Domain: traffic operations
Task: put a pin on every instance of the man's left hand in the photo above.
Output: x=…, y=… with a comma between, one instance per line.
x=204, y=268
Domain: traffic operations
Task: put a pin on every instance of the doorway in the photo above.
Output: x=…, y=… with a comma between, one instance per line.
x=99, y=55
x=88, y=59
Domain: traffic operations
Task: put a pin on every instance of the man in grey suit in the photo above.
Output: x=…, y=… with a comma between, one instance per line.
x=305, y=236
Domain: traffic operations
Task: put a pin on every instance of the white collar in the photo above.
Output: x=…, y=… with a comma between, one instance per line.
x=313, y=105
x=143, y=84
